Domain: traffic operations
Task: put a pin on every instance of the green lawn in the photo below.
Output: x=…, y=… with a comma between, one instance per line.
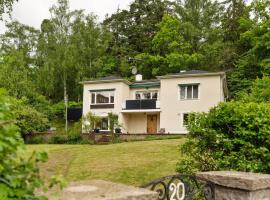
x=133, y=163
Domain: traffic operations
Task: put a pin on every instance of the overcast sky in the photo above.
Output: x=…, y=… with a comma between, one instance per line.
x=32, y=12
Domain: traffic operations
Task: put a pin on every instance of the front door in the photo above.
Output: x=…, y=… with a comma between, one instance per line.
x=151, y=124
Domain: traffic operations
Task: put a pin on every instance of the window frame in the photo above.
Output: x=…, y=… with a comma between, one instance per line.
x=186, y=92
x=111, y=92
x=108, y=124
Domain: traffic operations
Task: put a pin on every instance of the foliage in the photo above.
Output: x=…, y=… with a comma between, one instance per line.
x=58, y=139
x=28, y=119
x=113, y=121
x=19, y=177
x=232, y=136
x=157, y=36
x=6, y=6
x=58, y=109
x=36, y=140
x=259, y=92
x=89, y=122
x=255, y=62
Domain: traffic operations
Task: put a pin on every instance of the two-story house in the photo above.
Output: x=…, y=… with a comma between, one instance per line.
x=153, y=106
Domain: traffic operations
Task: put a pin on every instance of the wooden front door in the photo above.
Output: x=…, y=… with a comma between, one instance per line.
x=151, y=124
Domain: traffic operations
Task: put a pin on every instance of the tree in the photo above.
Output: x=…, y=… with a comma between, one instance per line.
x=71, y=46
x=6, y=6
x=255, y=62
x=133, y=31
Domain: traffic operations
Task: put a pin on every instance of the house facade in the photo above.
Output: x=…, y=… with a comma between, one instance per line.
x=154, y=106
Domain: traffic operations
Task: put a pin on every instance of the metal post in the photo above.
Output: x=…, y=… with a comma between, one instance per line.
x=66, y=109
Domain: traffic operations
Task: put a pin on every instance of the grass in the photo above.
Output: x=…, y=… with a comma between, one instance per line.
x=133, y=163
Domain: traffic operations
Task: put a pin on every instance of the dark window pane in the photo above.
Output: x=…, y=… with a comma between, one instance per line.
x=102, y=97
x=185, y=119
x=195, y=91
x=138, y=96
x=93, y=98
x=112, y=98
x=154, y=95
x=182, y=92
x=189, y=92
x=104, y=124
x=146, y=95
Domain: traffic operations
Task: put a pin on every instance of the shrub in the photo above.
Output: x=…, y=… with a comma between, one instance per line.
x=28, y=119
x=90, y=121
x=232, y=136
x=36, y=140
x=19, y=177
x=58, y=139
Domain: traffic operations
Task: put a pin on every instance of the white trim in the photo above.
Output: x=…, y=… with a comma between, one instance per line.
x=142, y=111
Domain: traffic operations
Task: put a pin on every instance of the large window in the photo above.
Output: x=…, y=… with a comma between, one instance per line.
x=189, y=91
x=102, y=97
x=146, y=95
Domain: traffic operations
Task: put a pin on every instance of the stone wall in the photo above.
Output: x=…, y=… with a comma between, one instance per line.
x=227, y=185
x=230, y=185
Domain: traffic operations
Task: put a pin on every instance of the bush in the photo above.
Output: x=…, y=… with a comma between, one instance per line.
x=58, y=139
x=28, y=119
x=19, y=177
x=232, y=136
x=37, y=140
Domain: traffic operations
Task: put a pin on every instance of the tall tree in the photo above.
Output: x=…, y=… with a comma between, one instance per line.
x=134, y=29
x=6, y=6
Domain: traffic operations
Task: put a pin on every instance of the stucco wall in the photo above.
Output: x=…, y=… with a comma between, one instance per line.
x=137, y=122
x=172, y=108
x=121, y=94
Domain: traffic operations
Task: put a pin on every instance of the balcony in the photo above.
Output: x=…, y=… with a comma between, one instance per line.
x=144, y=104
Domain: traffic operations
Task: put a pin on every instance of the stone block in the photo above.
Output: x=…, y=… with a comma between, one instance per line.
x=230, y=185
x=104, y=190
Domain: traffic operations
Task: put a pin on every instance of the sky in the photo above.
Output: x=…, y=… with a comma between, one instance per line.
x=32, y=12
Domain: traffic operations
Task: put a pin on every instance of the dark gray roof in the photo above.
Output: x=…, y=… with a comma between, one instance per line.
x=107, y=78
x=145, y=81
x=190, y=72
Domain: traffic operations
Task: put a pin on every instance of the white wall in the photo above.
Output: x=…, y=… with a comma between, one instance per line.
x=121, y=94
x=172, y=108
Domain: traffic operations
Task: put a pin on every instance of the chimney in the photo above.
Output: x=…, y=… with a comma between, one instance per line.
x=138, y=77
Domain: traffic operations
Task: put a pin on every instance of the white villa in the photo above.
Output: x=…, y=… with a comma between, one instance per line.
x=154, y=106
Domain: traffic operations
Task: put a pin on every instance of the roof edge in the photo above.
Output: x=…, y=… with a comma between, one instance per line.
x=106, y=81
x=191, y=75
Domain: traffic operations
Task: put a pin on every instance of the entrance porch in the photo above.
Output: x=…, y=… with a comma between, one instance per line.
x=142, y=122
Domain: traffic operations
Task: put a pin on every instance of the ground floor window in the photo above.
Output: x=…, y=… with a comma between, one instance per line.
x=186, y=117
x=104, y=124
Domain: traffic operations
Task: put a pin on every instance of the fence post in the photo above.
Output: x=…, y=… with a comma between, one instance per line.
x=229, y=185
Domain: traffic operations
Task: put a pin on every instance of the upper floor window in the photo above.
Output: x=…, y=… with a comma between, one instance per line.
x=189, y=91
x=146, y=95
x=102, y=97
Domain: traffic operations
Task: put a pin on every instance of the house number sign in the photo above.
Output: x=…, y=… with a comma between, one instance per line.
x=178, y=191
